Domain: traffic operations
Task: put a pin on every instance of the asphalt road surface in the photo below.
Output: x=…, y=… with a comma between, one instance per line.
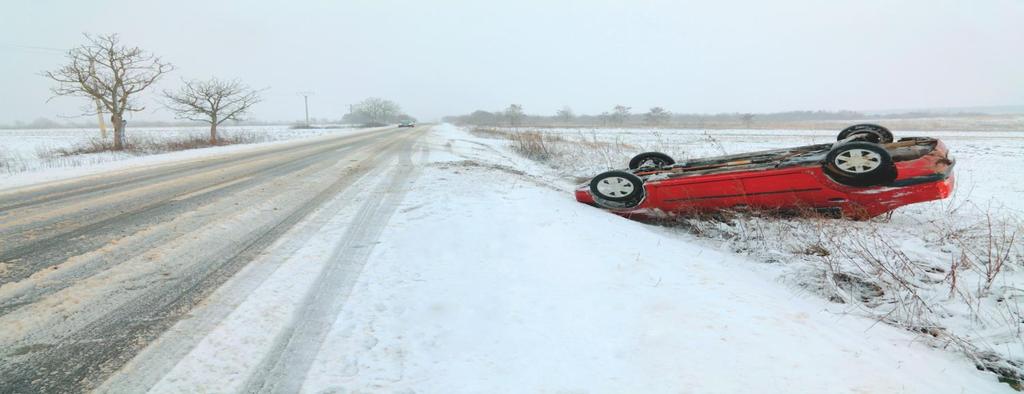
x=93, y=269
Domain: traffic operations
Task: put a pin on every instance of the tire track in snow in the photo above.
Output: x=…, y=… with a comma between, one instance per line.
x=93, y=238
x=164, y=365
x=153, y=363
x=107, y=343
x=283, y=370
x=86, y=356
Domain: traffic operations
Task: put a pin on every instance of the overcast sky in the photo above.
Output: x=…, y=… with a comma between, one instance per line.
x=448, y=57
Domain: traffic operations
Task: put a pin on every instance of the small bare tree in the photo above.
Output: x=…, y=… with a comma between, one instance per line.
x=373, y=111
x=106, y=71
x=212, y=102
x=620, y=114
x=748, y=120
x=565, y=114
x=515, y=114
x=657, y=116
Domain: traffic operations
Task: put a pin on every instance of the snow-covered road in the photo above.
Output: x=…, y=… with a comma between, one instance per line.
x=445, y=265
x=93, y=269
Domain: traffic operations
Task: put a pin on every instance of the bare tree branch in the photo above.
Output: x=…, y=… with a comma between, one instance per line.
x=111, y=73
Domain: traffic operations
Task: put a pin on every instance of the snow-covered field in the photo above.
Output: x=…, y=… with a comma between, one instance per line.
x=26, y=150
x=23, y=158
x=489, y=278
x=952, y=270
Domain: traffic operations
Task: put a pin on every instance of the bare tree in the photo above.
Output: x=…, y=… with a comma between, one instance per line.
x=373, y=111
x=105, y=70
x=212, y=102
x=620, y=114
x=748, y=120
x=565, y=114
x=657, y=116
x=515, y=114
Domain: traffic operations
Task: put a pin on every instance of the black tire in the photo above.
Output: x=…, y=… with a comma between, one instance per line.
x=868, y=132
x=617, y=189
x=860, y=164
x=650, y=159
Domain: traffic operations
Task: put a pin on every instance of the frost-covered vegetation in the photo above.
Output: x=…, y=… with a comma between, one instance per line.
x=952, y=270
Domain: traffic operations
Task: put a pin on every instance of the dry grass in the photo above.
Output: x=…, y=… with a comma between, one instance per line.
x=534, y=145
x=11, y=162
x=96, y=151
x=6, y=161
x=144, y=146
x=863, y=267
x=570, y=154
x=867, y=268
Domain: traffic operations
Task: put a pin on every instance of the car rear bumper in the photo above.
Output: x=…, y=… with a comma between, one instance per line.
x=940, y=175
x=877, y=201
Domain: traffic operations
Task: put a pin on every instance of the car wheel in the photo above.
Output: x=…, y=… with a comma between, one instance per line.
x=860, y=164
x=617, y=189
x=651, y=159
x=867, y=132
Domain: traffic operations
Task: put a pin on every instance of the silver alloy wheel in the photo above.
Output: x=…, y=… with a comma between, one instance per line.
x=858, y=161
x=615, y=186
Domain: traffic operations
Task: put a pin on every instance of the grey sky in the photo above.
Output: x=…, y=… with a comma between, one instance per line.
x=447, y=57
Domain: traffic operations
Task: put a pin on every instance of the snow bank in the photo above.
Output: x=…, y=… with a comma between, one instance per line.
x=487, y=281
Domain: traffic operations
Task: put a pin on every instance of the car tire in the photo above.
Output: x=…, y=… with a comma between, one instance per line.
x=860, y=164
x=650, y=159
x=617, y=189
x=868, y=132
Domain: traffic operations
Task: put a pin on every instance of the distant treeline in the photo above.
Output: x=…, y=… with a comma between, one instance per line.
x=659, y=117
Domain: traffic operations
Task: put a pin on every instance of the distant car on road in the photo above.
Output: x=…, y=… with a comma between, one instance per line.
x=407, y=124
x=862, y=175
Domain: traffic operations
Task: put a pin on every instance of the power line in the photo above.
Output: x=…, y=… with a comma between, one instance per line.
x=31, y=48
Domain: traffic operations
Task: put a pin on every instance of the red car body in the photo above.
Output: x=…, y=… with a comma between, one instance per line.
x=922, y=174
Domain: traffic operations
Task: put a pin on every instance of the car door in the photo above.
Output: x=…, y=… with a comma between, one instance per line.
x=781, y=188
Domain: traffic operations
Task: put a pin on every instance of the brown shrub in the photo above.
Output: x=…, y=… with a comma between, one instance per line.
x=533, y=145
x=146, y=145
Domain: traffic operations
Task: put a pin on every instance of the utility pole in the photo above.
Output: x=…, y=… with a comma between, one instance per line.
x=99, y=108
x=305, y=99
x=99, y=117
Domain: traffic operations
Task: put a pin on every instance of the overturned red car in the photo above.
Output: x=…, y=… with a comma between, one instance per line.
x=862, y=175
